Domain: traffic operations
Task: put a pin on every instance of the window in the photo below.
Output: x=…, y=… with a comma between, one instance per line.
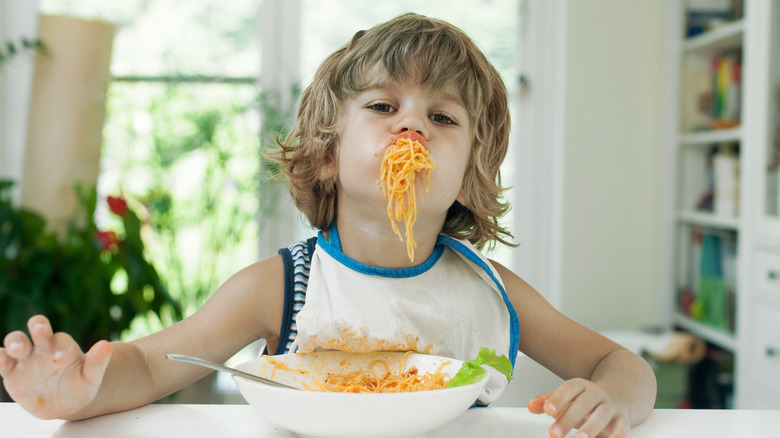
x=180, y=139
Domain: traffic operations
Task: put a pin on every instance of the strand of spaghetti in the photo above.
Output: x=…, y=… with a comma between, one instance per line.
x=278, y=365
x=400, y=164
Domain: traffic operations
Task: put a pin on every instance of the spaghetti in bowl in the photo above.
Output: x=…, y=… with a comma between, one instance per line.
x=317, y=412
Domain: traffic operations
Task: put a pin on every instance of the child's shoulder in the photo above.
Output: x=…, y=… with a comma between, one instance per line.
x=516, y=287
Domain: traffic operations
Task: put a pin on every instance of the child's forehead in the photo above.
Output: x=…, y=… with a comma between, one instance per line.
x=378, y=78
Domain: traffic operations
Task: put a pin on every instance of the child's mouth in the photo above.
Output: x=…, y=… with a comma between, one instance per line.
x=414, y=136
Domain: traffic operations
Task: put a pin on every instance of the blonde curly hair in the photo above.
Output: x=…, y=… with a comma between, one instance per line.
x=437, y=55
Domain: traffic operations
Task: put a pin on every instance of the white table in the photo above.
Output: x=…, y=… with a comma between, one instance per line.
x=239, y=421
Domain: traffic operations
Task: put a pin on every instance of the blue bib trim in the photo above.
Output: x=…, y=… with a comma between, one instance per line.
x=514, y=322
x=333, y=248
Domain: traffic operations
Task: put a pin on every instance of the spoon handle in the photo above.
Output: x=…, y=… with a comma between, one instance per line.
x=219, y=367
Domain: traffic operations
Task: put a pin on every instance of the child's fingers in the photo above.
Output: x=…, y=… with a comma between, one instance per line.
x=63, y=348
x=7, y=363
x=40, y=332
x=563, y=395
x=620, y=428
x=583, y=406
x=536, y=405
x=614, y=427
x=17, y=345
x=596, y=421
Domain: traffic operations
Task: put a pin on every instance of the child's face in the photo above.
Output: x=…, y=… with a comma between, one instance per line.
x=372, y=118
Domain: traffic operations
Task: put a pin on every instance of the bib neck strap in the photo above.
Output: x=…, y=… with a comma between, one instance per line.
x=332, y=246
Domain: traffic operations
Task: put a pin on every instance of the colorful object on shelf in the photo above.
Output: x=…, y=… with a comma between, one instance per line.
x=727, y=84
x=709, y=298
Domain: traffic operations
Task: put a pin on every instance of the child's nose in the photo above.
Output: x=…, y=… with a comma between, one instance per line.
x=412, y=121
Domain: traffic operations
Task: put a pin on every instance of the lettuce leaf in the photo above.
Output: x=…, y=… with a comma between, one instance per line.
x=472, y=372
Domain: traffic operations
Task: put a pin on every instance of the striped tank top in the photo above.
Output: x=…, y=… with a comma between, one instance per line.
x=297, y=262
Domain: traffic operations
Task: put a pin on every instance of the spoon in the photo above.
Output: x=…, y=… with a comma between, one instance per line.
x=233, y=371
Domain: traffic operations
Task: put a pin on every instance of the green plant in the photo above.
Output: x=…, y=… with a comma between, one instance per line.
x=198, y=164
x=90, y=283
x=204, y=179
x=219, y=215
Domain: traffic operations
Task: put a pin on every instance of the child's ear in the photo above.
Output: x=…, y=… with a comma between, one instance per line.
x=327, y=171
x=461, y=200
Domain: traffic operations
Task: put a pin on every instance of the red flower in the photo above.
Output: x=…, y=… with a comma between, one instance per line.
x=117, y=205
x=107, y=240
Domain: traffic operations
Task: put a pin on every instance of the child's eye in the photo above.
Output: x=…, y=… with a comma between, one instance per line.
x=441, y=118
x=381, y=107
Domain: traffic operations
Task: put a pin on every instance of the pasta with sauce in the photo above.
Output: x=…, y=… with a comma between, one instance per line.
x=378, y=378
x=401, y=162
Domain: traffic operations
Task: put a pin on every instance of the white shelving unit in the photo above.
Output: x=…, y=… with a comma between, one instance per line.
x=759, y=337
x=710, y=137
x=723, y=340
x=752, y=331
x=716, y=40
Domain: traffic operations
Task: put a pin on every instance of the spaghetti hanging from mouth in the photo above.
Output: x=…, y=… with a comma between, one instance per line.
x=403, y=159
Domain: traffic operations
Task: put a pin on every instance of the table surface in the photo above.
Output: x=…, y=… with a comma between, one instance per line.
x=239, y=421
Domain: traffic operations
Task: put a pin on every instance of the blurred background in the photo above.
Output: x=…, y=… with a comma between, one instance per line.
x=133, y=183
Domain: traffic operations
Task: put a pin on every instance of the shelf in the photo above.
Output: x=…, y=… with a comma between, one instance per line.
x=717, y=40
x=715, y=179
x=726, y=341
x=710, y=137
x=708, y=220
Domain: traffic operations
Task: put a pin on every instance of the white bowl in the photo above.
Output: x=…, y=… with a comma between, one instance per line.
x=345, y=415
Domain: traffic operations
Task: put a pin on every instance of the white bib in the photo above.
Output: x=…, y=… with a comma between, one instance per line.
x=450, y=305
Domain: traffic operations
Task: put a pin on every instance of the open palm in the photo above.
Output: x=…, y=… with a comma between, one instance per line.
x=48, y=374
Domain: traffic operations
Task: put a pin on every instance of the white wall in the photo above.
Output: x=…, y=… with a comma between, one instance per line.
x=18, y=19
x=610, y=266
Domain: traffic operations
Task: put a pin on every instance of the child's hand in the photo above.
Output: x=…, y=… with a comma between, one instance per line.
x=583, y=404
x=51, y=377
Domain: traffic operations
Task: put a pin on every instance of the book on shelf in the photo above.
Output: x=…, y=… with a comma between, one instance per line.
x=725, y=170
x=712, y=91
x=727, y=81
x=721, y=193
x=708, y=294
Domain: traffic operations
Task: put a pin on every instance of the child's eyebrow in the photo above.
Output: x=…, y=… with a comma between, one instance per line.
x=454, y=98
x=389, y=85
x=441, y=97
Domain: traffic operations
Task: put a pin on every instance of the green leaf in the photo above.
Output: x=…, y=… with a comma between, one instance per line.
x=472, y=372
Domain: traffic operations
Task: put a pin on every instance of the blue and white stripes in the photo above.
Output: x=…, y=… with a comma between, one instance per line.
x=297, y=262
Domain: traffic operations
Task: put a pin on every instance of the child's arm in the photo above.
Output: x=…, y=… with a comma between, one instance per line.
x=50, y=377
x=607, y=389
